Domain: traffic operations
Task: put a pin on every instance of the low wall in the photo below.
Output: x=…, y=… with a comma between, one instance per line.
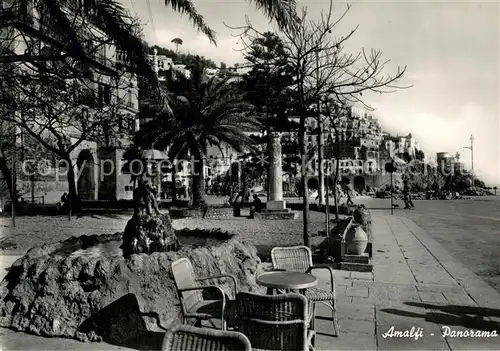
x=212, y=212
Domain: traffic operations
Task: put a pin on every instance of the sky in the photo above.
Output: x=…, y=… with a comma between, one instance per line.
x=450, y=49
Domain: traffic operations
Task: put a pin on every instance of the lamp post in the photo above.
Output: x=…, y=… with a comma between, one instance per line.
x=471, y=148
x=390, y=167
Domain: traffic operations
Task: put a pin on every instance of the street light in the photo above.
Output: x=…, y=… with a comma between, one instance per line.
x=471, y=148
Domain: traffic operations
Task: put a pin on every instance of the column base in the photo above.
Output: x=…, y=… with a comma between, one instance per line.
x=275, y=205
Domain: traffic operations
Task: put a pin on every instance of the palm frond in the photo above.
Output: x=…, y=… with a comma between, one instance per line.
x=187, y=7
x=112, y=17
x=282, y=11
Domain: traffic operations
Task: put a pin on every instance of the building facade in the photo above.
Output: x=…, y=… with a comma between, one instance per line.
x=111, y=92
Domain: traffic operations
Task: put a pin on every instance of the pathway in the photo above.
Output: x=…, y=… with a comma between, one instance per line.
x=415, y=283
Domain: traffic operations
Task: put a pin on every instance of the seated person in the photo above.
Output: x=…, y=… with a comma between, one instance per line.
x=256, y=206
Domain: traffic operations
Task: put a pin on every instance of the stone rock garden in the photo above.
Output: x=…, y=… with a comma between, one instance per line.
x=110, y=286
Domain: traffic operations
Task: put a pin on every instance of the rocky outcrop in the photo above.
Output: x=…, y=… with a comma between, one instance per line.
x=148, y=234
x=62, y=289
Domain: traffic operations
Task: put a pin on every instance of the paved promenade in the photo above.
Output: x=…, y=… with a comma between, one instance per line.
x=415, y=283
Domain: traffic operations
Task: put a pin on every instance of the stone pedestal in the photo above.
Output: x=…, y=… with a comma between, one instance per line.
x=276, y=206
x=275, y=169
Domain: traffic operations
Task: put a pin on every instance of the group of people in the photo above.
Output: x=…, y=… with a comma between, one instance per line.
x=343, y=186
x=239, y=198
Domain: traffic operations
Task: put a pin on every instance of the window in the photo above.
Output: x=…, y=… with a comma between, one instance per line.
x=102, y=53
x=130, y=102
x=107, y=94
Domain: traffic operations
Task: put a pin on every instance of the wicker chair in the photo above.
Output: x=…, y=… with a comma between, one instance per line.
x=190, y=294
x=274, y=322
x=185, y=337
x=299, y=259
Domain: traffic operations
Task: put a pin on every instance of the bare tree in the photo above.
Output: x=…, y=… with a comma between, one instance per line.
x=323, y=69
x=61, y=93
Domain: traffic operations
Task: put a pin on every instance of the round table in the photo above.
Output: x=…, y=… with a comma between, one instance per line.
x=287, y=280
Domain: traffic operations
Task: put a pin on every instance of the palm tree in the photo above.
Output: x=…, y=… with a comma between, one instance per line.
x=205, y=113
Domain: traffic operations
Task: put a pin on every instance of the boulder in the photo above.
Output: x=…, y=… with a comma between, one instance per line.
x=61, y=289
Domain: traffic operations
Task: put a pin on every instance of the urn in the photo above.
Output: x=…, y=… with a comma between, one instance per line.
x=356, y=240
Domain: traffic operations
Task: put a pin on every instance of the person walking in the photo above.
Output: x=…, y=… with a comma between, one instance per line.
x=407, y=195
x=346, y=187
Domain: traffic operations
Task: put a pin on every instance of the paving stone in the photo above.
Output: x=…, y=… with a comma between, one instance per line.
x=340, y=290
x=409, y=287
x=342, y=274
x=459, y=299
x=434, y=274
x=346, y=341
x=432, y=297
x=343, y=282
x=357, y=300
x=323, y=311
x=440, y=288
x=360, y=291
x=485, y=297
x=357, y=326
x=11, y=340
x=472, y=343
x=362, y=275
x=381, y=293
x=360, y=312
x=404, y=320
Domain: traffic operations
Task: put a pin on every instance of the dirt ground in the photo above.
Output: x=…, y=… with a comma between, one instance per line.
x=468, y=229
x=264, y=234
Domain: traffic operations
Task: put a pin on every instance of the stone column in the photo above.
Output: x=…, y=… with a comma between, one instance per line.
x=275, y=202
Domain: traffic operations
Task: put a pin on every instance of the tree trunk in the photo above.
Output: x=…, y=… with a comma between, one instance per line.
x=303, y=178
x=7, y=175
x=337, y=164
x=198, y=190
x=32, y=181
x=245, y=188
x=305, y=199
x=174, y=187
x=73, y=203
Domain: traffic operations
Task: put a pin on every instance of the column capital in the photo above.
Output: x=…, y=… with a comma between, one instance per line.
x=275, y=135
